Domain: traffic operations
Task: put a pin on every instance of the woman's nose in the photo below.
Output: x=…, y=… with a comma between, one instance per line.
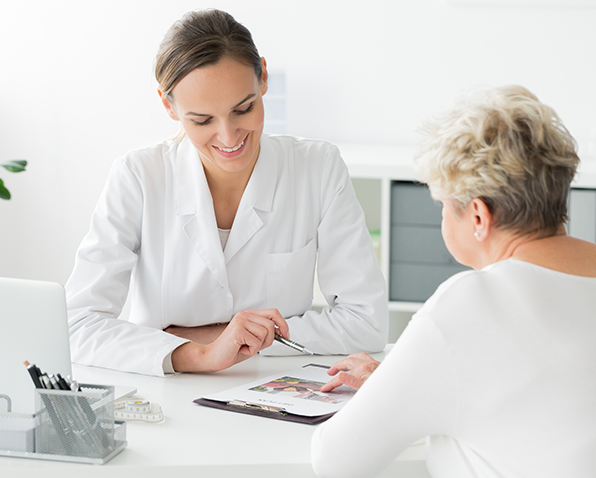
x=228, y=134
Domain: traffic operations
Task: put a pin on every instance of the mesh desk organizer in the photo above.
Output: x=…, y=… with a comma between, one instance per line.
x=68, y=426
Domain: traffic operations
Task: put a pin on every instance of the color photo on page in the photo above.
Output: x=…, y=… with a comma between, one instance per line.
x=306, y=389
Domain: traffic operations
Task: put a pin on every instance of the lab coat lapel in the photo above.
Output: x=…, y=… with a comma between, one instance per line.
x=258, y=196
x=193, y=199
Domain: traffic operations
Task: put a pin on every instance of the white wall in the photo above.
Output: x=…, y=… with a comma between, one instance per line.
x=77, y=91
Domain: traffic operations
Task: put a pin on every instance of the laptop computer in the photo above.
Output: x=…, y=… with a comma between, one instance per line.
x=33, y=328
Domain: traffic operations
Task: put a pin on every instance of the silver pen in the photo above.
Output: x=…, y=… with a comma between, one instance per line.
x=294, y=345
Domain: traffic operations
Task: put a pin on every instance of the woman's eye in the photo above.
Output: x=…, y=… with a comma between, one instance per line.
x=237, y=112
x=202, y=123
x=247, y=110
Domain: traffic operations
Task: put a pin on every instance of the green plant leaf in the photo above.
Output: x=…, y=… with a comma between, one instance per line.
x=15, y=165
x=4, y=193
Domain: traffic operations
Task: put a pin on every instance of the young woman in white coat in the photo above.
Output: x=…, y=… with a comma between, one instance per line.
x=218, y=232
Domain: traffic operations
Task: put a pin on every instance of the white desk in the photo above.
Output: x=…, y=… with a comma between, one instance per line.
x=198, y=441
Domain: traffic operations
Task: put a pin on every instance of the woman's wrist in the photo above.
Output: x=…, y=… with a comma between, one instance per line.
x=191, y=357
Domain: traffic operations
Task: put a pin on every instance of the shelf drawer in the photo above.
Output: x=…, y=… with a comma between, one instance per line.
x=411, y=204
x=419, y=259
x=582, y=214
x=419, y=244
x=417, y=282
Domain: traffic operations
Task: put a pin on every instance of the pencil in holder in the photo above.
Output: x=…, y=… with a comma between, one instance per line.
x=78, y=424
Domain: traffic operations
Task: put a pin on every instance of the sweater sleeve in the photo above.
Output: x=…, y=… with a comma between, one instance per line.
x=412, y=394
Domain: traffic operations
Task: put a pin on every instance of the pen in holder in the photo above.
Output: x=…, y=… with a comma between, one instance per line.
x=77, y=424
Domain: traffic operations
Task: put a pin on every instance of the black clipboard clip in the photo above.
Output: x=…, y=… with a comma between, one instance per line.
x=257, y=407
x=267, y=411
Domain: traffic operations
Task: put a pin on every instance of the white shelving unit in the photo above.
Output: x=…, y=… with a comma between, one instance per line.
x=373, y=168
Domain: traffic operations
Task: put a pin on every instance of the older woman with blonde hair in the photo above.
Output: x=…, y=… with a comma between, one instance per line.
x=497, y=368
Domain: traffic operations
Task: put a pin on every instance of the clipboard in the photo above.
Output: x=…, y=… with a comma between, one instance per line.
x=292, y=396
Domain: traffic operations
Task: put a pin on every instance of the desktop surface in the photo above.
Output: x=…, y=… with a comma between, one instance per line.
x=200, y=441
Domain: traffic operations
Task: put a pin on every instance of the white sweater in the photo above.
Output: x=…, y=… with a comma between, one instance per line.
x=498, y=369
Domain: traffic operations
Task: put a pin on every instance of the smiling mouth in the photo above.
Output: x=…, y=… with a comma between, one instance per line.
x=231, y=150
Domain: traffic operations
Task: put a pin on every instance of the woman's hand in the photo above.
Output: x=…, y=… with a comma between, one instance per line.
x=247, y=333
x=353, y=371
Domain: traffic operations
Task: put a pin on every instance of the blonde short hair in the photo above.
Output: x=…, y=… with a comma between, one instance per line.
x=505, y=147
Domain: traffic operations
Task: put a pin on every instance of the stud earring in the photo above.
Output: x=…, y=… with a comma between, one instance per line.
x=476, y=235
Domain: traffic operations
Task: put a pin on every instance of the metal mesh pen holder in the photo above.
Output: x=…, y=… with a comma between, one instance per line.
x=78, y=426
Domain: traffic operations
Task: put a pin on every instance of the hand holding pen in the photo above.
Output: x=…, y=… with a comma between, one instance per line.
x=247, y=333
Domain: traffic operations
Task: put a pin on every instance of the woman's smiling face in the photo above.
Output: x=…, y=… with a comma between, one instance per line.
x=221, y=110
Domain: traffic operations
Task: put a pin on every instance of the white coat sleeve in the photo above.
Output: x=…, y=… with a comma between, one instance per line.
x=98, y=286
x=349, y=276
x=411, y=395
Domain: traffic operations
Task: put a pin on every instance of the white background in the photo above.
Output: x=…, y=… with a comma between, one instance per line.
x=77, y=87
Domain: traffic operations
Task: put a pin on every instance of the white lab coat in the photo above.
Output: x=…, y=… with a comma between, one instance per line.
x=154, y=228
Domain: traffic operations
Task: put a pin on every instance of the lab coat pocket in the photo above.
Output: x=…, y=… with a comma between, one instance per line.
x=290, y=280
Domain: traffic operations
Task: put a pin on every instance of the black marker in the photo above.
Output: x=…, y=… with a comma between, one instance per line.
x=62, y=383
x=35, y=373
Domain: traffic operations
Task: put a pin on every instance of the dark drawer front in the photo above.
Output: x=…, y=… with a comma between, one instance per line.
x=417, y=282
x=411, y=204
x=582, y=214
x=419, y=258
